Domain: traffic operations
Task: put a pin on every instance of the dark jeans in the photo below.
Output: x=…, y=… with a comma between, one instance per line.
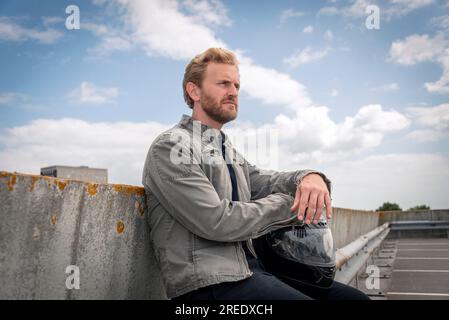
x=264, y=286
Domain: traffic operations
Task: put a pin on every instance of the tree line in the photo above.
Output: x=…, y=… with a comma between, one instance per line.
x=389, y=206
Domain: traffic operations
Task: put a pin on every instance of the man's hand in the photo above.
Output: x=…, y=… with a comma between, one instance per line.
x=312, y=194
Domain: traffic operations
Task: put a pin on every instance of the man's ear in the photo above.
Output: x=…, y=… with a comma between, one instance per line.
x=193, y=91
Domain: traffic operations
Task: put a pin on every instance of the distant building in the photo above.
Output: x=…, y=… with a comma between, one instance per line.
x=83, y=173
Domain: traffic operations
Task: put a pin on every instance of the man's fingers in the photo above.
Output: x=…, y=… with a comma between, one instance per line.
x=295, y=205
x=311, y=207
x=319, y=208
x=303, y=201
x=327, y=200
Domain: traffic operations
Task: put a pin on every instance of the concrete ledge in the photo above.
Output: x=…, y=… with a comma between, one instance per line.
x=413, y=215
x=348, y=224
x=49, y=224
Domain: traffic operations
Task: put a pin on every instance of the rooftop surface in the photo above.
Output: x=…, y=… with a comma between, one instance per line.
x=409, y=268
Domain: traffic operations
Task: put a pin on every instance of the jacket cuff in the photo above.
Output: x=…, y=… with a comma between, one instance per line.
x=304, y=173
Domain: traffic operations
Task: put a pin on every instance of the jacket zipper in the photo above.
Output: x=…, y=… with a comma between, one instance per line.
x=273, y=225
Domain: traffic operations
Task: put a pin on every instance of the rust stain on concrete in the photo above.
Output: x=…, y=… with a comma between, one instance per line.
x=139, y=208
x=33, y=181
x=53, y=220
x=120, y=227
x=12, y=181
x=92, y=189
x=61, y=185
x=129, y=190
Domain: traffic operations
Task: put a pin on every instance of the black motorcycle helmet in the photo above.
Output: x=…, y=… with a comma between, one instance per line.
x=301, y=254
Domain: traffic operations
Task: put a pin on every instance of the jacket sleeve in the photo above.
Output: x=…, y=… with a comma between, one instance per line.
x=265, y=182
x=187, y=195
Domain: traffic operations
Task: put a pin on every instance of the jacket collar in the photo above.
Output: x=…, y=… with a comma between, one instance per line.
x=187, y=122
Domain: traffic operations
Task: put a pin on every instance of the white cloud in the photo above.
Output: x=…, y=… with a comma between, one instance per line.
x=436, y=117
x=210, y=13
x=290, y=13
x=442, y=84
x=419, y=48
x=387, y=87
x=7, y=98
x=89, y=93
x=111, y=38
x=11, y=31
x=435, y=121
x=96, y=28
x=357, y=9
x=160, y=28
x=310, y=137
x=388, y=10
x=440, y=22
x=328, y=11
x=407, y=179
x=402, y=7
x=308, y=29
x=328, y=35
x=109, y=44
x=373, y=118
x=271, y=86
x=48, y=21
x=305, y=56
x=75, y=142
x=426, y=135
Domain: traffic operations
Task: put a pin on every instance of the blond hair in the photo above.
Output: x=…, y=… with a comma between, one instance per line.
x=196, y=68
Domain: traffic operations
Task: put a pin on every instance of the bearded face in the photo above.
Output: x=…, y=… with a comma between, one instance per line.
x=219, y=92
x=222, y=109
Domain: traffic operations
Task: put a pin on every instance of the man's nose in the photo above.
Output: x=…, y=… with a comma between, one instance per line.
x=233, y=91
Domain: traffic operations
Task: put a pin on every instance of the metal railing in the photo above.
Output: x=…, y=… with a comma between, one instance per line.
x=352, y=257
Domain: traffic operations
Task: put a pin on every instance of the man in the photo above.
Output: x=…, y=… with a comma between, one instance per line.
x=205, y=201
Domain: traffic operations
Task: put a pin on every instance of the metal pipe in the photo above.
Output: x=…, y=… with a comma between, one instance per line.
x=347, y=252
x=352, y=267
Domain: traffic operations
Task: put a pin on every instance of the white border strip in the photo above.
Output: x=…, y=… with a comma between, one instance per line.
x=421, y=258
x=403, y=270
x=419, y=294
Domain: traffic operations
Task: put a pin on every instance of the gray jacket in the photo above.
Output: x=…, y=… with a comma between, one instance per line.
x=196, y=229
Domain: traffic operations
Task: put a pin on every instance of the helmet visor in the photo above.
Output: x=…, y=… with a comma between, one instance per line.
x=307, y=244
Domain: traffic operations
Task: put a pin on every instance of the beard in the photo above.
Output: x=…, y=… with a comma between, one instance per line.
x=218, y=111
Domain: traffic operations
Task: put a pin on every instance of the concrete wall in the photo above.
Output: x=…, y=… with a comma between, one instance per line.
x=348, y=224
x=49, y=224
x=431, y=215
x=416, y=215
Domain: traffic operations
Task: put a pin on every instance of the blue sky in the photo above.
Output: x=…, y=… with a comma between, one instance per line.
x=367, y=107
